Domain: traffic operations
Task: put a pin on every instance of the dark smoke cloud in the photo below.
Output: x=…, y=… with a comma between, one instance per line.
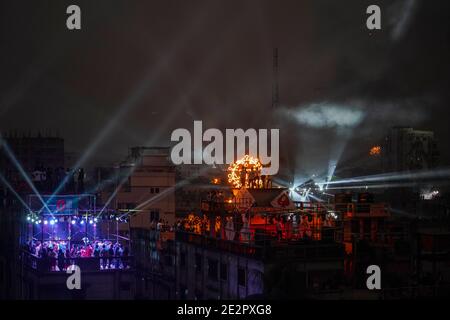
x=340, y=84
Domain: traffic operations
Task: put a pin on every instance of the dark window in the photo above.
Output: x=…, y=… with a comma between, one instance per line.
x=1, y=272
x=126, y=205
x=126, y=187
x=198, y=263
x=183, y=292
x=355, y=226
x=241, y=277
x=168, y=261
x=154, y=190
x=367, y=227
x=198, y=295
x=223, y=271
x=212, y=269
x=125, y=286
x=182, y=259
x=154, y=215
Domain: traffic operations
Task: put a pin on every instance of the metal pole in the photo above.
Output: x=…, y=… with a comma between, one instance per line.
x=95, y=215
x=70, y=230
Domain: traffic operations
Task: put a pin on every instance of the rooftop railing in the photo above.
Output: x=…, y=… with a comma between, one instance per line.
x=266, y=248
x=86, y=264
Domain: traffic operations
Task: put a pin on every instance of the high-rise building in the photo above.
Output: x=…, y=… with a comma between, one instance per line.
x=41, y=157
x=407, y=149
x=145, y=183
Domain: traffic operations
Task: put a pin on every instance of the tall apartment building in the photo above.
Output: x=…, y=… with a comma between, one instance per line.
x=229, y=253
x=146, y=182
x=409, y=149
x=195, y=181
x=41, y=157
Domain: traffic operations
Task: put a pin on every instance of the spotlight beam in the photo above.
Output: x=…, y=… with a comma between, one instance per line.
x=193, y=87
x=150, y=79
x=418, y=175
x=97, y=187
x=116, y=190
x=316, y=198
x=377, y=186
x=166, y=192
x=22, y=172
x=161, y=195
x=9, y=186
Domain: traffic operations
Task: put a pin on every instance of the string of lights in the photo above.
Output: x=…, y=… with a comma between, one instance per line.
x=245, y=172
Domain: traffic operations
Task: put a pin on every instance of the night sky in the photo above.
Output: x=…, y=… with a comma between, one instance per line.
x=145, y=68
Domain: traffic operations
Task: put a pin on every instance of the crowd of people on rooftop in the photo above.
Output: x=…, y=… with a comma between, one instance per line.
x=59, y=255
x=238, y=228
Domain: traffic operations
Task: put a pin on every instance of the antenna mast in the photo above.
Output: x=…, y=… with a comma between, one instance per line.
x=275, y=92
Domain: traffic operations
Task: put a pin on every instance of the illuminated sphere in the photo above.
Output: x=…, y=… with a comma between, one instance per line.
x=240, y=172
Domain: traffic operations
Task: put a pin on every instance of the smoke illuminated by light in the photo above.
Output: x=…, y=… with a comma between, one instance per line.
x=9, y=186
x=117, y=189
x=402, y=18
x=150, y=78
x=415, y=175
x=323, y=115
x=22, y=172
